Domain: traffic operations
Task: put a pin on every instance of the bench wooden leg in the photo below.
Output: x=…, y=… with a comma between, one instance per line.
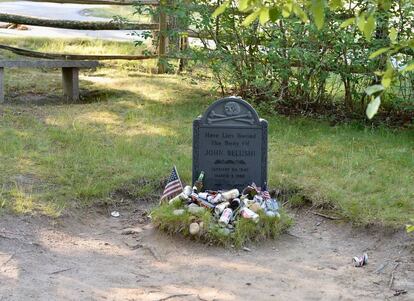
x=1, y=85
x=71, y=83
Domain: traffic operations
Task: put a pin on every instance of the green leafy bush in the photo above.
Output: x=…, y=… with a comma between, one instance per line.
x=295, y=63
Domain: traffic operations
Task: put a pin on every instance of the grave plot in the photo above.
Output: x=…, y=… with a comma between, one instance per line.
x=229, y=202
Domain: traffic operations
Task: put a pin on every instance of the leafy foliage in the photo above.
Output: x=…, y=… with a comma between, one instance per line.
x=371, y=17
x=303, y=54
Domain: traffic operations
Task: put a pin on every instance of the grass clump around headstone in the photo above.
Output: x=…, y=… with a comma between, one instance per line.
x=245, y=230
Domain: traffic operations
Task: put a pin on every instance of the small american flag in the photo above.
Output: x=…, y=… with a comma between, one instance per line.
x=174, y=186
x=265, y=193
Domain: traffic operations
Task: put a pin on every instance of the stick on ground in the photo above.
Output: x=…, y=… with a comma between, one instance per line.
x=393, y=275
x=174, y=296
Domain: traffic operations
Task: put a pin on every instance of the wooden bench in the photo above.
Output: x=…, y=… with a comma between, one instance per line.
x=70, y=73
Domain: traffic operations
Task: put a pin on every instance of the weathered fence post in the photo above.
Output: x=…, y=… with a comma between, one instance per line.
x=183, y=47
x=163, y=38
x=183, y=43
x=1, y=84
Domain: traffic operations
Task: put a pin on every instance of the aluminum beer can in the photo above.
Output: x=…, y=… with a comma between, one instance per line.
x=217, y=198
x=271, y=204
x=226, y=216
x=360, y=261
x=194, y=196
x=258, y=199
x=181, y=197
x=203, y=195
x=187, y=190
x=235, y=203
x=220, y=207
x=247, y=213
x=204, y=203
x=231, y=194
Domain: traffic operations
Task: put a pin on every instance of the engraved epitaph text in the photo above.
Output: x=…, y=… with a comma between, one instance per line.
x=230, y=145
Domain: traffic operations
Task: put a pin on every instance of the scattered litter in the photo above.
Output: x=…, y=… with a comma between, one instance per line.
x=115, y=214
x=360, y=261
x=247, y=249
x=400, y=292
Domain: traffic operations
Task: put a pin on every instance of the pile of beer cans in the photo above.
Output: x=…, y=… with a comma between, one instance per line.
x=227, y=206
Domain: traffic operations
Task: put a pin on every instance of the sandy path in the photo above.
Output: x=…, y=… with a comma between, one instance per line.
x=87, y=258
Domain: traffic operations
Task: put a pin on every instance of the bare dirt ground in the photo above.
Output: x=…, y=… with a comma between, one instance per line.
x=89, y=256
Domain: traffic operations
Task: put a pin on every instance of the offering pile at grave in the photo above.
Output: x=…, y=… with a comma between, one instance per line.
x=213, y=215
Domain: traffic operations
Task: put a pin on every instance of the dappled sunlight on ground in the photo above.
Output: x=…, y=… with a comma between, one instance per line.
x=114, y=123
x=87, y=257
x=98, y=117
x=9, y=271
x=213, y=263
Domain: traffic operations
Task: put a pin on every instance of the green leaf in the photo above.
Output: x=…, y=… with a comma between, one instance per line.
x=250, y=18
x=409, y=67
x=287, y=10
x=409, y=228
x=274, y=14
x=373, y=89
x=347, y=22
x=369, y=27
x=393, y=35
x=219, y=10
x=387, y=76
x=264, y=16
x=243, y=5
x=385, y=4
x=361, y=22
x=318, y=11
x=372, y=107
x=378, y=52
x=335, y=4
x=300, y=13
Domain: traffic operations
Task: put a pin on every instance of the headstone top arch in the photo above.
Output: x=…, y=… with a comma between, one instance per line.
x=230, y=145
x=231, y=111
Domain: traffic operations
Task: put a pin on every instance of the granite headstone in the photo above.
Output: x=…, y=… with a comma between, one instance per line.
x=230, y=145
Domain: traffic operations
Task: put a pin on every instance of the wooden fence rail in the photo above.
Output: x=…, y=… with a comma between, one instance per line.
x=161, y=26
x=103, y=2
x=62, y=56
x=81, y=25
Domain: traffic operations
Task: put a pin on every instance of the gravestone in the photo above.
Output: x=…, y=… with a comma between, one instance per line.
x=230, y=145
